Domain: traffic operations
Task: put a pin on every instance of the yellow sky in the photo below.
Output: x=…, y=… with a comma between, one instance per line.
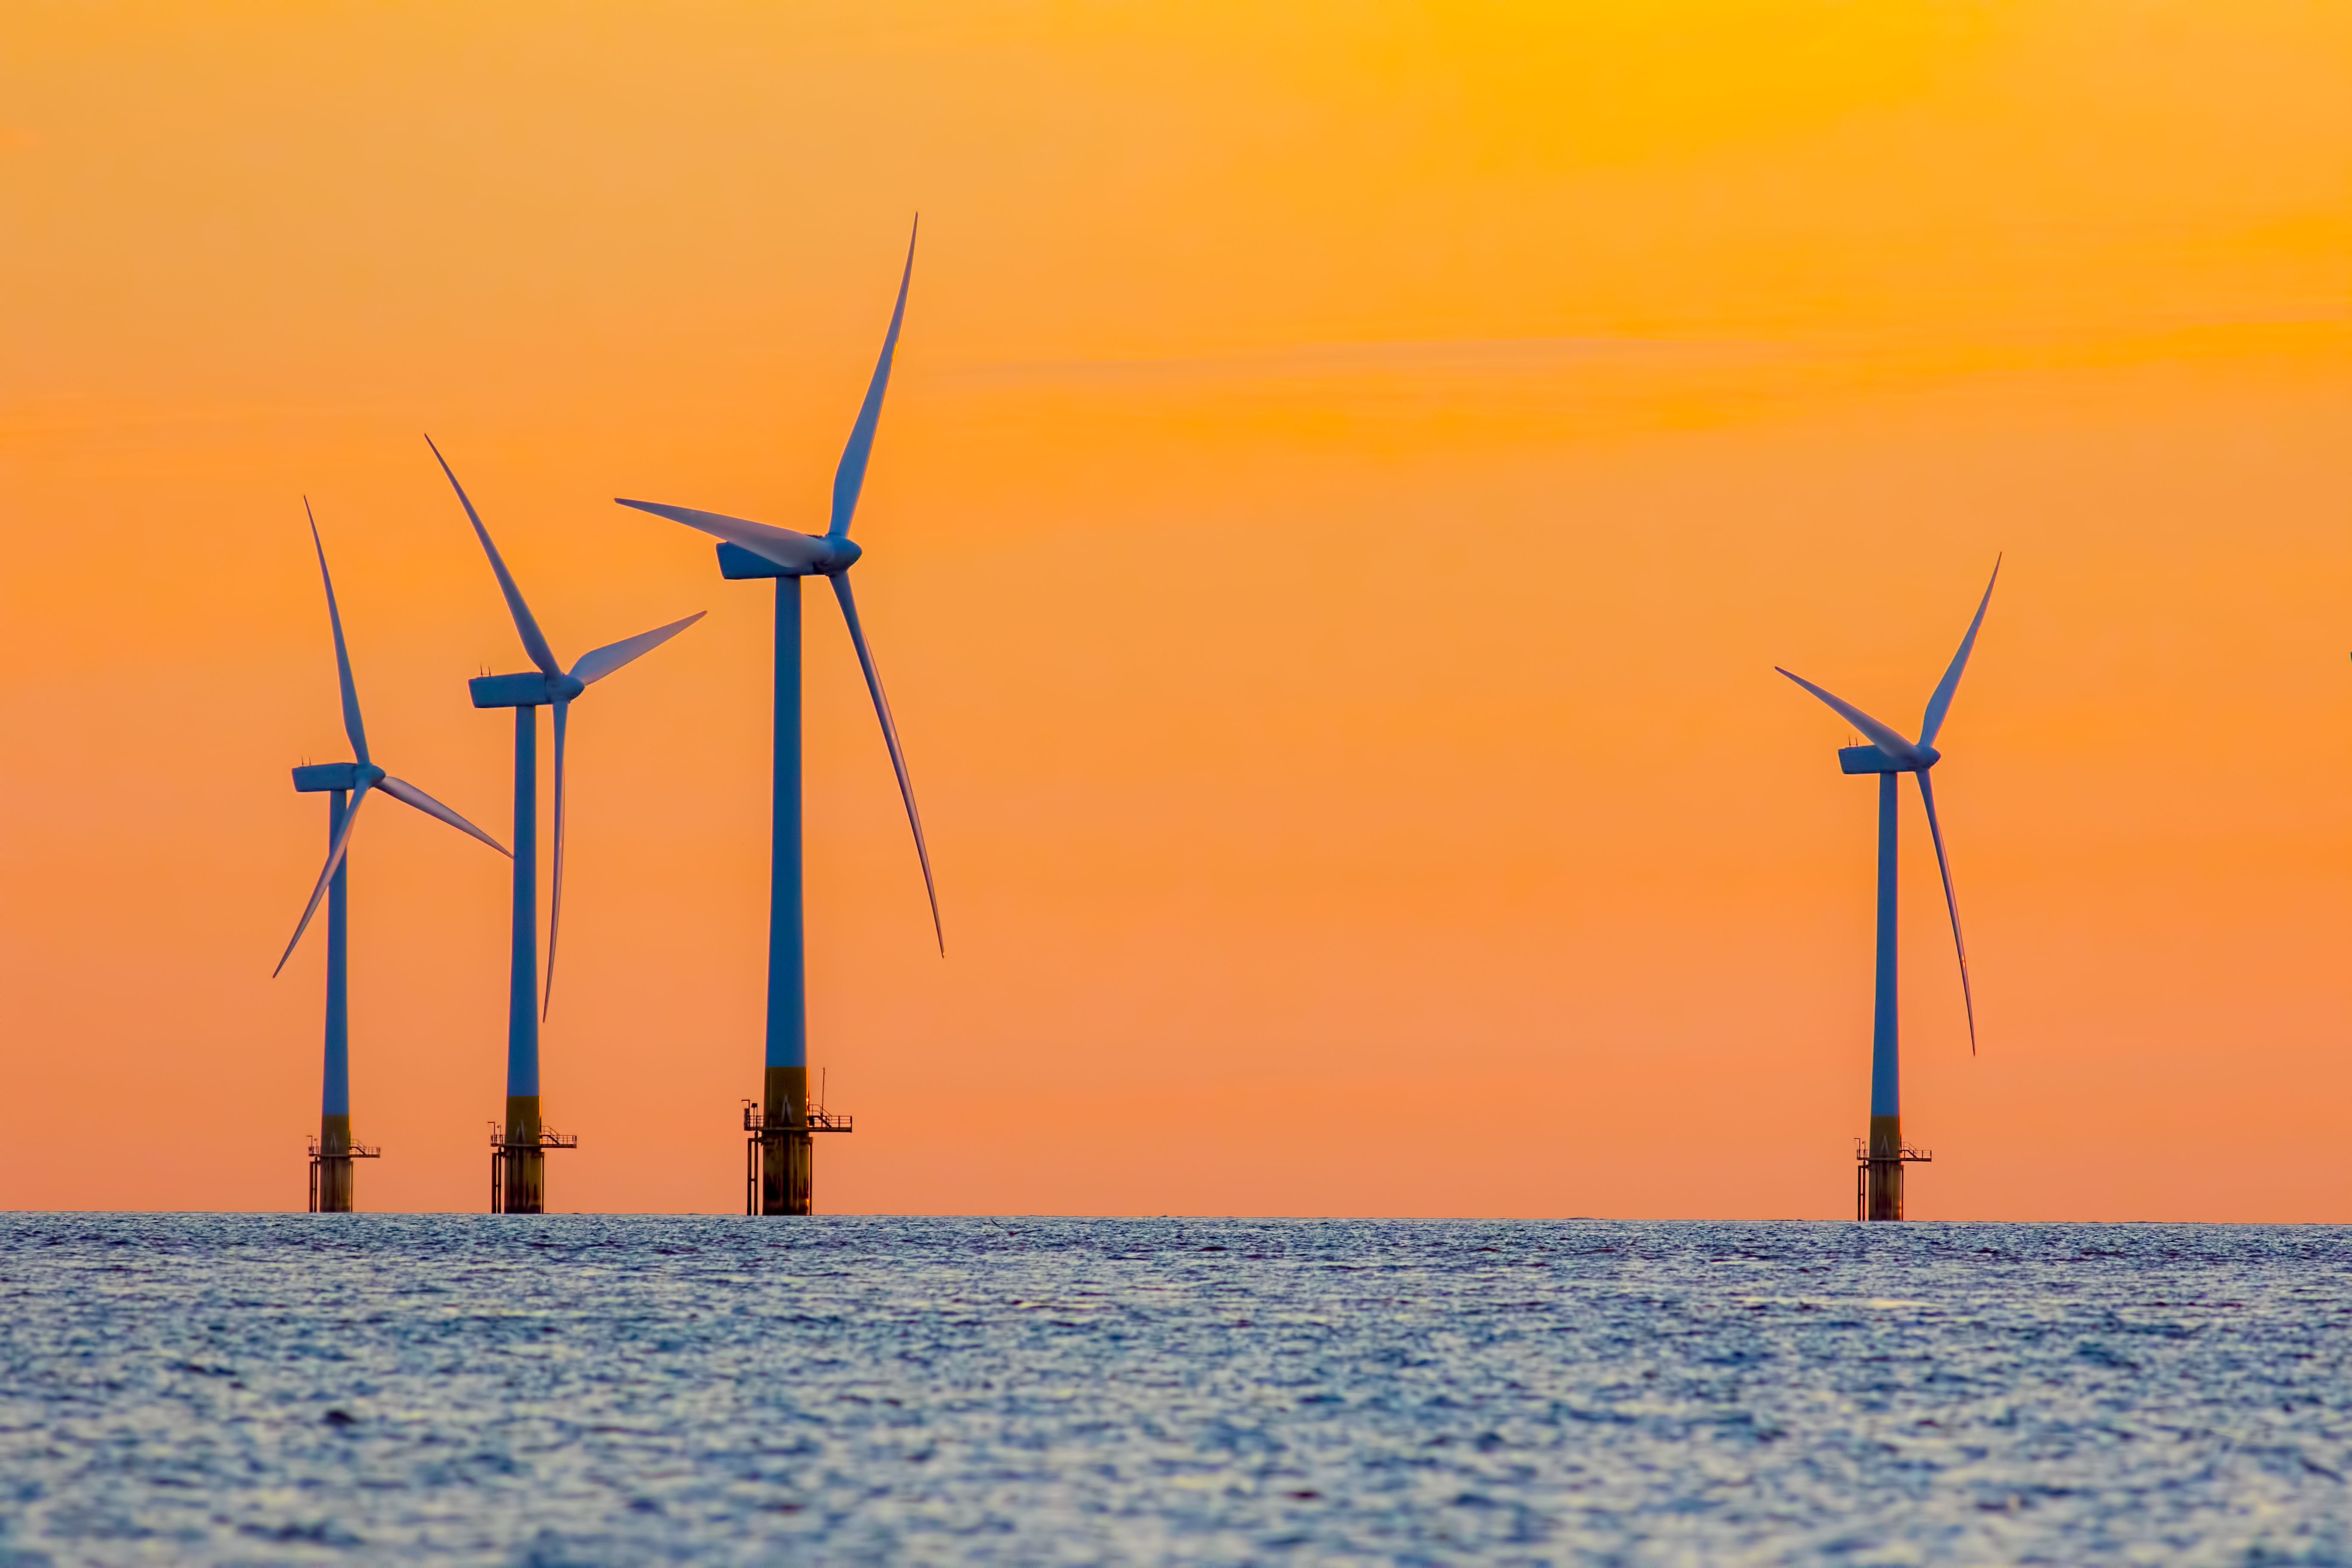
x=1349, y=474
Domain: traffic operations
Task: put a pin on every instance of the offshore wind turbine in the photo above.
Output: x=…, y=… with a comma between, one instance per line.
x=1879, y=1171
x=518, y=1159
x=333, y=1183
x=778, y=1178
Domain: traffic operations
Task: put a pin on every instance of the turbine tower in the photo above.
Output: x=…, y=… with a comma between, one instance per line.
x=518, y=1157
x=332, y=1179
x=778, y=1177
x=1879, y=1171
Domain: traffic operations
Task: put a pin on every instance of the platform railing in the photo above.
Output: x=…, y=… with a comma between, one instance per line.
x=819, y=1120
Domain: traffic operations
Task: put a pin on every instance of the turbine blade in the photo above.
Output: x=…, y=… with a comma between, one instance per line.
x=597, y=663
x=534, y=642
x=1885, y=737
x=796, y=552
x=890, y=738
x=351, y=725
x=555, y=892
x=334, y=858
x=408, y=794
x=850, y=477
x=1942, y=699
x=1951, y=902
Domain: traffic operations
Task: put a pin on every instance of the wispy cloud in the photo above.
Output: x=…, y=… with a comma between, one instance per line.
x=1437, y=357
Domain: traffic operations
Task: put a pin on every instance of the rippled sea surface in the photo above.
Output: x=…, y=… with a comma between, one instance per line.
x=629, y=1390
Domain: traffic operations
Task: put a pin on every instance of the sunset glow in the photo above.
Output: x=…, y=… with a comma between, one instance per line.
x=1349, y=474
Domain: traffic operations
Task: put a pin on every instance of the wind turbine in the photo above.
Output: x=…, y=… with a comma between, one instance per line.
x=332, y=1178
x=1887, y=755
x=779, y=1153
x=518, y=1162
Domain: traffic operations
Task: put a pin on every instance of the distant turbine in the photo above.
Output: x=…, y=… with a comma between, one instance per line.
x=518, y=1168
x=331, y=1180
x=1889, y=754
x=779, y=1179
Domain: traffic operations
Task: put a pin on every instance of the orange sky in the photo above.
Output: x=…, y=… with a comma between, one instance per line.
x=1349, y=474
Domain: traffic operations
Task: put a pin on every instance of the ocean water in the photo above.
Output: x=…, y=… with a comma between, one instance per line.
x=637, y=1390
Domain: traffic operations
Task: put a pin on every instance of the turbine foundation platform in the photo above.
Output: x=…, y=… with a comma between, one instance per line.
x=1878, y=1177
x=518, y=1168
x=779, y=1174
x=333, y=1189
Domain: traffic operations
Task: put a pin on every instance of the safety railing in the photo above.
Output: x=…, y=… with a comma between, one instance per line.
x=819, y=1120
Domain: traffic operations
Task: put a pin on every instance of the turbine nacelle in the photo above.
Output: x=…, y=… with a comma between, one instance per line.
x=319, y=777
x=530, y=689
x=1878, y=759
